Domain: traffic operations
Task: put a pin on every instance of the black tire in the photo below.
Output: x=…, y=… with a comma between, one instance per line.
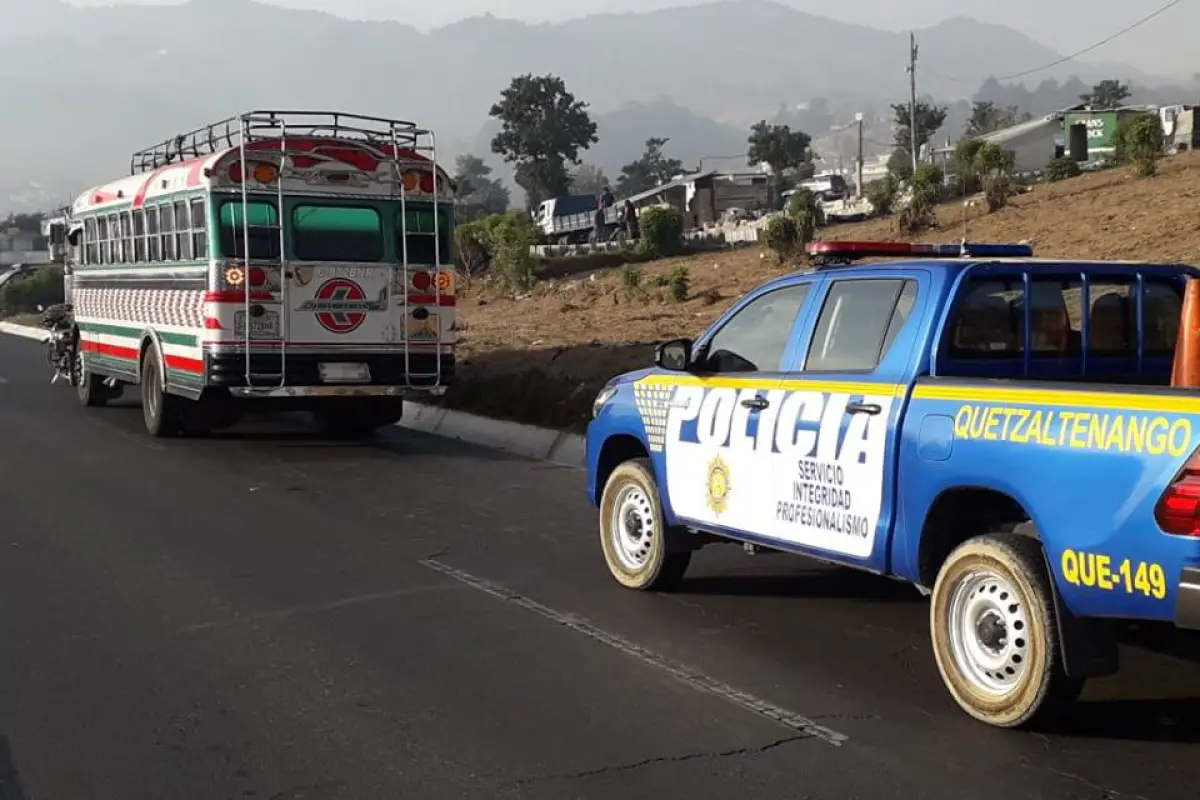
x=993, y=596
x=90, y=390
x=160, y=410
x=656, y=559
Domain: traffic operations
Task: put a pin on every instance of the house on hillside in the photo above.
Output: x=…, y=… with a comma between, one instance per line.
x=1090, y=134
x=703, y=197
x=1033, y=143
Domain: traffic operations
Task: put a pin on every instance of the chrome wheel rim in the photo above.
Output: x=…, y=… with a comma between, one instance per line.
x=632, y=528
x=153, y=392
x=988, y=629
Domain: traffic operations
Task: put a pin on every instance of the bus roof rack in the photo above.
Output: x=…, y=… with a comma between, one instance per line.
x=255, y=126
x=836, y=253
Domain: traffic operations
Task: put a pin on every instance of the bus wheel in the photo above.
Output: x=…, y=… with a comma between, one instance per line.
x=89, y=387
x=160, y=410
x=640, y=550
x=995, y=636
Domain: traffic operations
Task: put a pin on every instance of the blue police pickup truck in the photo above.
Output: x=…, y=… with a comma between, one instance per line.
x=999, y=430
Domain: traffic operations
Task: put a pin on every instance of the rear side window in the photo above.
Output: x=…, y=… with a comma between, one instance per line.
x=858, y=324
x=258, y=219
x=419, y=243
x=989, y=321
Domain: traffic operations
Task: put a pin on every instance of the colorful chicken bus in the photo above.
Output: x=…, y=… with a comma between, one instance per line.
x=273, y=260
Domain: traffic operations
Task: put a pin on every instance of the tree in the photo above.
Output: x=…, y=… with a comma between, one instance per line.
x=543, y=128
x=1107, y=94
x=930, y=119
x=25, y=223
x=1140, y=140
x=987, y=117
x=779, y=146
x=478, y=192
x=652, y=169
x=588, y=179
x=994, y=166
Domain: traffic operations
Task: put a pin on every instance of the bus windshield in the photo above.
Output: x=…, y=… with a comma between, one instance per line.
x=416, y=227
x=337, y=233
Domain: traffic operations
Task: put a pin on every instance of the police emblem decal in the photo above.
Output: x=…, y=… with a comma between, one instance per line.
x=718, y=485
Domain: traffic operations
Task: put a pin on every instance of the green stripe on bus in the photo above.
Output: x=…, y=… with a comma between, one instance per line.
x=179, y=339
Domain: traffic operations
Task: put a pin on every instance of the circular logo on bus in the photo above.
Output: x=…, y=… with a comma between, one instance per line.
x=341, y=305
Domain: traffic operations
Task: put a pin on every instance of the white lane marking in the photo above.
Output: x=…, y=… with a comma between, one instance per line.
x=284, y=613
x=692, y=677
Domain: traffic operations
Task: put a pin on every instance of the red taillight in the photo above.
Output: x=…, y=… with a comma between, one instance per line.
x=235, y=172
x=258, y=276
x=1178, y=510
x=427, y=182
x=421, y=281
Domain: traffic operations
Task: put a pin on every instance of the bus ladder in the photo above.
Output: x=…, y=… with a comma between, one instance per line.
x=420, y=381
x=270, y=379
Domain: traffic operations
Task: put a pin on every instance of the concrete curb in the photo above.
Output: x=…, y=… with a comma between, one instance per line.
x=528, y=441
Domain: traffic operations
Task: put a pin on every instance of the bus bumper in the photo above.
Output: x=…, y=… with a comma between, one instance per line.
x=332, y=391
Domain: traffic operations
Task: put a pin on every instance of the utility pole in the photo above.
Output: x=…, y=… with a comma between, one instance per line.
x=858, y=178
x=912, y=87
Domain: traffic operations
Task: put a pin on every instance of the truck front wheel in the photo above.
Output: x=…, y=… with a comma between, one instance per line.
x=640, y=550
x=995, y=635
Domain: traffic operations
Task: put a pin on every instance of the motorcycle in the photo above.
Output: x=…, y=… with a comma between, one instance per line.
x=58, y=319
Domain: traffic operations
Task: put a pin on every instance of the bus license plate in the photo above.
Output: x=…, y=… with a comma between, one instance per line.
x=263, y=327
x=345, y=373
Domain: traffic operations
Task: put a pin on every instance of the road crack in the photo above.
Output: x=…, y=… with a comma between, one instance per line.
x=740, y=752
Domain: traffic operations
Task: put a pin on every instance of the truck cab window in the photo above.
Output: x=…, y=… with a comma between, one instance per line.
x=858, y=323
x=755, y=338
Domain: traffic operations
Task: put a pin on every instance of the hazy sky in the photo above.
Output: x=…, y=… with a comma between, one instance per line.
x=1162, y=46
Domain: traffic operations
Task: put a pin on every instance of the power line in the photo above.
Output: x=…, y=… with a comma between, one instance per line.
x=1133, y=26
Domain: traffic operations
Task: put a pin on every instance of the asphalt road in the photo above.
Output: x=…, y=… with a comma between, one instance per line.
x=270, y=615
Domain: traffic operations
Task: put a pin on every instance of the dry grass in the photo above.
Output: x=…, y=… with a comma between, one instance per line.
x=541, y=359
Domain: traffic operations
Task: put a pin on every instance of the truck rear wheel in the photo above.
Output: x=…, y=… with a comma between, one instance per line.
x=640, y=550
x=995, y=636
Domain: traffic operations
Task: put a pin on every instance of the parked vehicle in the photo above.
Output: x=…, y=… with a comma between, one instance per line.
x=1001, y=431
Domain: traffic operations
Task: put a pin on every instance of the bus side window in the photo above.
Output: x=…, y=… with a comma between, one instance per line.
x=153, y=244
x=91, y=247
x=102, y=240
x=166, y=227
x=199, y=229
x=139, y=236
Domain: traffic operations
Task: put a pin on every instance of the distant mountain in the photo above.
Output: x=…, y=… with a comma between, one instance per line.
x=83, y=87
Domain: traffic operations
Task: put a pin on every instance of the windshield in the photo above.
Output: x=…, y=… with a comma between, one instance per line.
x=263, y=229
x=419, y=235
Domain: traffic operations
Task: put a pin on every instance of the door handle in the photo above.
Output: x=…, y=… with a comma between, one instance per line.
x=756, y=403
x=861, y=408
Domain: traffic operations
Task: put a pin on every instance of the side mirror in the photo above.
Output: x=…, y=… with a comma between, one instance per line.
x=674, y=355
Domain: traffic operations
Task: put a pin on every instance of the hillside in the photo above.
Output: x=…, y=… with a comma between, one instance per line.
x=543, y=358
x=86, y=86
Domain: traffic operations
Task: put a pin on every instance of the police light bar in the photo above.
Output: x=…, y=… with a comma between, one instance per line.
x=850, y=251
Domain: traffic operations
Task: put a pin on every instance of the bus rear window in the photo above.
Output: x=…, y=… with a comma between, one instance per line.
x=337, y=233
x=416, y=226
x=263, y=229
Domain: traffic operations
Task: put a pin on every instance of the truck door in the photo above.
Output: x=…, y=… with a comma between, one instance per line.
x=720, y=425
x=838, y=425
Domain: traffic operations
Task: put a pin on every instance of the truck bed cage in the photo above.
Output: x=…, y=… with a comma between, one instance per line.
x=255, y=126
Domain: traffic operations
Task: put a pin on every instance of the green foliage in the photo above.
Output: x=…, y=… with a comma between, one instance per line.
x=25, y=223
x=779, y=146
x=987, y=117
x=930, y=119
x=652, y=169
x=23, y=296
x=1140, y=141
x=804, y=210
x=1062, y=168
x=965, y=168
x=994, y=165
x=503, y=242
x=661, y=230
x=882, y=194
x=588, y=179
x=478, y=193
x=781, y=237
x=679, y=283
x=1107, y=94
x=542, y=129
x=631, y=281
x=920, y=213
